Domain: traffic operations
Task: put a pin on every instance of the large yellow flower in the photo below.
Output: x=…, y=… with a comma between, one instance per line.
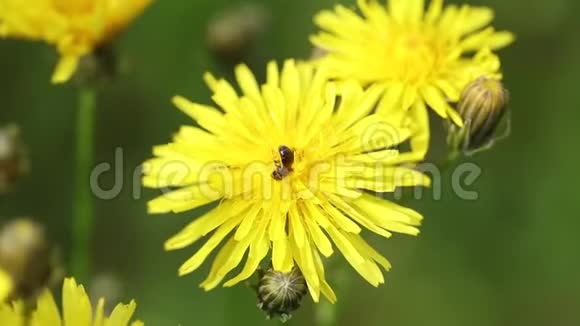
x=423, y=58
x=76, y=307
x=74, y=27
x=291, y=168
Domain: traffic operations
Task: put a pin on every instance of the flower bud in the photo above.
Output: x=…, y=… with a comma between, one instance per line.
x=99, y=67
x=233, y=33
x=279, y=294
x=482, y=106
x=13, y=161
x=25, y=256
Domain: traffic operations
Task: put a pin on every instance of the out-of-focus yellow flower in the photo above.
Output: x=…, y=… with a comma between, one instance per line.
x=76, y=310
x=5, y=285
x=292, y=164
x=74, y=27
x=424, y=58
x=13, y=314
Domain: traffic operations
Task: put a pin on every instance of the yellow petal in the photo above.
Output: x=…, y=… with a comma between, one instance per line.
x=65, y=68
x=290, y=85
x=121, y=13
x=247, y=222
x=236, y=253
x=182, y=200
x=305, y=262
x=99, y=313
x=121, y=314
x=46, y=312
x=199, y=257
x=501, y=39
x=476, y=18
x=421, y=133
x=205, y=224
x=75, y=304
x=339, y=219
x=369, y=251
x=433, y=11
x=347, y=249
x=5, y=285
x=296, y=225
x=273, y=77
x=324, y=286
x=206, y=116
x=247, y=81
x=13, y=314
x=221, y=258
x=279, y=252
x=258, y=251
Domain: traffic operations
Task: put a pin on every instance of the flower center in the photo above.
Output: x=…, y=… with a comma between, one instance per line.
x=413, y=57
x=72, y=7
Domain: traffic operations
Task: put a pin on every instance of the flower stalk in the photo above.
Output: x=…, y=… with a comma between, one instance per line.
x=83, y=214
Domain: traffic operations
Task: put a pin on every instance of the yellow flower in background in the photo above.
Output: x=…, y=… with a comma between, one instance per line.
x=76, y=310
x=13, y=314
x=290, y=170
x=5, y=285
x=74, y=27
x=424, y=58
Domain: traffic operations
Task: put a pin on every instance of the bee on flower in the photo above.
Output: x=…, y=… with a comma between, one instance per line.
x=424, y=58
x=290, y=169
x=74, y=27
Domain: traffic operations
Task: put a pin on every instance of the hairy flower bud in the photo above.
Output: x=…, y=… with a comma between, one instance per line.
x=99, y=67
x=279, y=294
x=25, y=256
x=482, y=105
x=232, y=33
x=13, y=161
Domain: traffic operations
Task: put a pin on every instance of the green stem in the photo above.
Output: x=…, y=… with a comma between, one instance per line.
x=83, y=215
x=328, y=314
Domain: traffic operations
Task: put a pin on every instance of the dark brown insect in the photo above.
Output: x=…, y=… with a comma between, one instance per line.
x=284, y=165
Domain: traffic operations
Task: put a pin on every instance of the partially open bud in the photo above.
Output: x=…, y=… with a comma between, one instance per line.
x=13, y=161
x=25, y=256
x=279, y=294
x=482, y=105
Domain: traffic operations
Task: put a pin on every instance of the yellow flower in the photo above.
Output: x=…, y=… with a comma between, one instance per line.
x=5, y=285
x=77, y=310
x=288, y=166
x=74, y=27
x=423, y=58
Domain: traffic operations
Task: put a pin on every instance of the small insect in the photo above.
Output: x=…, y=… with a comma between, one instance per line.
x=284, y=165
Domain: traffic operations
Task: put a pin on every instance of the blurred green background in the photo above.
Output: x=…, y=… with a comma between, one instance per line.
x=509, y=258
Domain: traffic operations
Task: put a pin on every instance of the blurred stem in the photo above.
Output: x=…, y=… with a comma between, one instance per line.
x=83, y=215
x=452, y=156
x=328, y=314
